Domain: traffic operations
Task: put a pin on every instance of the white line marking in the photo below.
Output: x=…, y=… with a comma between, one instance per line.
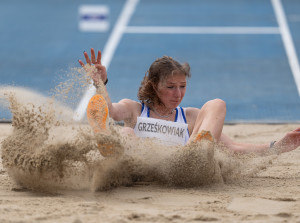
x=287, y=41
x=108, y=52
x=201, y=30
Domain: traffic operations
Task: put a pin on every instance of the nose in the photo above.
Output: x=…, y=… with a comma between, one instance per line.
x=177, y=92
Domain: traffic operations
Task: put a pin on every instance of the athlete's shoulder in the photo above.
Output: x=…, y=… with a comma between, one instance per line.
x=129, y=102
x=132, y=105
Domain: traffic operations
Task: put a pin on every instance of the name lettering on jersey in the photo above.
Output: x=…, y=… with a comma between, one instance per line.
x=158, y=128
x=172, y=133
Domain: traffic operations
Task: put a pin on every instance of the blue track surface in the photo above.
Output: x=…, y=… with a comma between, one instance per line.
x=40, y=40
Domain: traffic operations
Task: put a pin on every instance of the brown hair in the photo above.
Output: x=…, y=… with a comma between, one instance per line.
x=159, y=70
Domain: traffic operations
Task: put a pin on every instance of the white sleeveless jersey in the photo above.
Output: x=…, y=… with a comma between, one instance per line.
x=172, y=133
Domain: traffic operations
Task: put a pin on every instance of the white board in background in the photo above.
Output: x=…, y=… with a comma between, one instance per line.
x=93, y=18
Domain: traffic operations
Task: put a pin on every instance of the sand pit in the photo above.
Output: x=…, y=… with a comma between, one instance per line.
x=270, y=193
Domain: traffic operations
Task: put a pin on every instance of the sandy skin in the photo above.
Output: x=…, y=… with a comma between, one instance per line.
x=271, y=194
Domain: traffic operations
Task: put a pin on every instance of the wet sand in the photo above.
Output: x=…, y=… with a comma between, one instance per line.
x=270, y=194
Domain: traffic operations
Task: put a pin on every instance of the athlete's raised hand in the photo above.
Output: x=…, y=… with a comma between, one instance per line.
x=99, y=74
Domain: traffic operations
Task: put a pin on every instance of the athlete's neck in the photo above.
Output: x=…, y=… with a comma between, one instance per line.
x=162, y=111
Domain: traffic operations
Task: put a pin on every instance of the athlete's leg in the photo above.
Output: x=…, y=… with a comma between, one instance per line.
x=210, y=121
x=98, y=115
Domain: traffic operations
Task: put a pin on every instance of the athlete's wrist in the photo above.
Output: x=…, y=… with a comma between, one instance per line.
x=105, y=82
x=97, y=85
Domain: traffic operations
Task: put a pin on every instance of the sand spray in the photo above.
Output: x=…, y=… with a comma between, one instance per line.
x=48, y=151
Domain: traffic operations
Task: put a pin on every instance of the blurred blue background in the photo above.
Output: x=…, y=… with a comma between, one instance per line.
x=40, y=41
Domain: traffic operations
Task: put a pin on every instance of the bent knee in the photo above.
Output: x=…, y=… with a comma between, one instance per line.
x=216, y=104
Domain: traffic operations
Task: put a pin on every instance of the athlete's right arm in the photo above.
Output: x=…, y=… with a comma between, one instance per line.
x=125, y=109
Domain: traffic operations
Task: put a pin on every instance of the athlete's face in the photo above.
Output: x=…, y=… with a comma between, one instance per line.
x=172, y=90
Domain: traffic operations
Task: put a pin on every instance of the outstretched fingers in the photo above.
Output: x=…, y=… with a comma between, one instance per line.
x=93, y=57
x=99, y=57
x=87, y=58
x=100, y=71
x=81, y=63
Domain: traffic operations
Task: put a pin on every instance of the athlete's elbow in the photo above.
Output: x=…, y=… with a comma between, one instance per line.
x=114, y=114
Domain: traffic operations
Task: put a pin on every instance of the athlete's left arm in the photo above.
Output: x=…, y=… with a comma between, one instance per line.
x=288, y=143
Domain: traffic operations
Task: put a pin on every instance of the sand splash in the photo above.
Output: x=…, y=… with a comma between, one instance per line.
x=45, y=153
